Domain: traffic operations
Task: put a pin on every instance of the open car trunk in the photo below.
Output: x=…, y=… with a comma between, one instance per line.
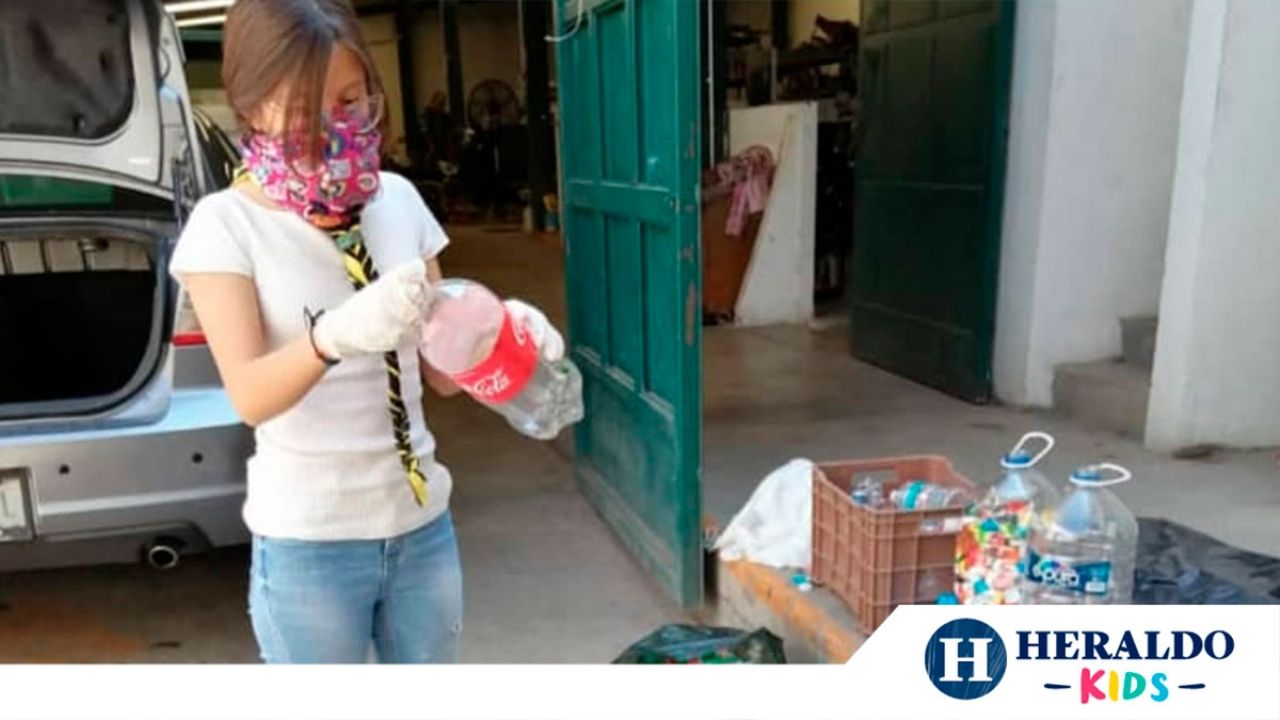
x=98, y=163
x=82, y=316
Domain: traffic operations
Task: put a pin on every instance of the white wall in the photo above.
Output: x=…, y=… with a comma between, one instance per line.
x=489, y=38
x=804, y=12
x=1029, y=104
x=778, y=287
x=1096, y=96
x=1217, y=371
x=754, y=13
x=800, y=15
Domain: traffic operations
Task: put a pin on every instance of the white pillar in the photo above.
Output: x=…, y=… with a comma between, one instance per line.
x=1029, y=111
x=1217, y=368
x=1093, y=126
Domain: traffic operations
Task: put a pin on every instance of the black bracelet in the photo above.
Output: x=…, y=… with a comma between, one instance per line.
x=312, y=318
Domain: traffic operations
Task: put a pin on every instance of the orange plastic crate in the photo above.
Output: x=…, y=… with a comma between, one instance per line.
x=875, y=560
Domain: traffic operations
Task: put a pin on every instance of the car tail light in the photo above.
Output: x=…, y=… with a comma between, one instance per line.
x=186, y=328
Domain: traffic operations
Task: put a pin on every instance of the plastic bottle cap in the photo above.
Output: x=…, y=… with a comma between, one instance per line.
x=1017, y=460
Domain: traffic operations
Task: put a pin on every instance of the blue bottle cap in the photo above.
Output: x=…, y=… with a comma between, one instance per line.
x=1017, y=459
x=1087, y=474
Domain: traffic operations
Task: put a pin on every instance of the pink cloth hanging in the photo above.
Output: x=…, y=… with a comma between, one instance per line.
x=750, y=172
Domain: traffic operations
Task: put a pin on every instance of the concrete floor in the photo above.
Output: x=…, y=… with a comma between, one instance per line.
x=781, y=393
x=545, y=580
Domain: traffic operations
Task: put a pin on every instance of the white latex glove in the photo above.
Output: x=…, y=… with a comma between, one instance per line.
x=380, y=317
x=534, y=322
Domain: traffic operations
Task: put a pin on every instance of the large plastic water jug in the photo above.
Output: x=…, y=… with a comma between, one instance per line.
x=991, y=550
x=1087, y=548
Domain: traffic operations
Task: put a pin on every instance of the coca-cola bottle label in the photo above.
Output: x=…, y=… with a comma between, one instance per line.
x=503, y=375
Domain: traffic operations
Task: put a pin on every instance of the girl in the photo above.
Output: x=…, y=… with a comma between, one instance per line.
x=310, y=277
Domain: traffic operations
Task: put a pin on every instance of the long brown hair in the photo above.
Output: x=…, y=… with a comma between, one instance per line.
x=274, y=44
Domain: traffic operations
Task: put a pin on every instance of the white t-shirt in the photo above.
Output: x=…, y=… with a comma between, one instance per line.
x=326, y=468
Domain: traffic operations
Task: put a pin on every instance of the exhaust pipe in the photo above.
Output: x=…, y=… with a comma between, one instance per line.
x=162, y=554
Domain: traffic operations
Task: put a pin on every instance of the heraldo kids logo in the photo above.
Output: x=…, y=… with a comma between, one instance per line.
x=966, y=659
x=1099, y=678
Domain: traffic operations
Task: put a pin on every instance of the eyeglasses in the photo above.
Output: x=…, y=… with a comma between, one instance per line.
x=365, y=112
x=362, y=114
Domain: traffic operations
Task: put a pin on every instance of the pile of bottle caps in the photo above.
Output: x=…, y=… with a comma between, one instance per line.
x=990, y=552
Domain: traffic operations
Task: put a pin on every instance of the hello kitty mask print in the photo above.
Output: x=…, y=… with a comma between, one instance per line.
x=322, y=193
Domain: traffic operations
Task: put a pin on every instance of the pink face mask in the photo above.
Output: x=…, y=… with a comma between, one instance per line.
x=340, y=185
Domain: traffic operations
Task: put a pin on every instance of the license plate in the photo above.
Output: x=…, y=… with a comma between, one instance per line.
x=15, y=511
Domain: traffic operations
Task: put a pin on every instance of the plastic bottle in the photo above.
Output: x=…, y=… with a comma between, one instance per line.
x=991, y=549
x=470, y=337
x=921, y=495
x=1085, y=552
x=868, y=492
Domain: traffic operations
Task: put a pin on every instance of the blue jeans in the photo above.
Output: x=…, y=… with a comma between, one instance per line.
x=330, y=602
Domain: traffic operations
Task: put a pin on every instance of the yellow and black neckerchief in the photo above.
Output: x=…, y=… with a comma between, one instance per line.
x=360, y=271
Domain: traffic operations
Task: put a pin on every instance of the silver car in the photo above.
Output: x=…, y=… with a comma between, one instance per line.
x=117, y=442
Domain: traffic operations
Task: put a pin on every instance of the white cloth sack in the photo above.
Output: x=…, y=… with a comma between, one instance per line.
x=774, y=527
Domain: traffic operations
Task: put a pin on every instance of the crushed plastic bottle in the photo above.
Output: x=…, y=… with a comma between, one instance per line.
x=991, y=550
x=470, y=337
x=1085, y=552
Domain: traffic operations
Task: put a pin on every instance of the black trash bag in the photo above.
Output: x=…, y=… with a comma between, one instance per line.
x=689, y=645
x=1179, y=566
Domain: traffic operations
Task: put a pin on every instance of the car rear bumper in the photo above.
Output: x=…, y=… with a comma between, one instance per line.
x=104, y=496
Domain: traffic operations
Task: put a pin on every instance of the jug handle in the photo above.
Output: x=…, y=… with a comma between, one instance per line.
x=1121, y=475
x=1044, y=437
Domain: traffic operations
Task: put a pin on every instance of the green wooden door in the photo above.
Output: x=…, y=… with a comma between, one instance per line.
x=628, y=97
x=934, y=79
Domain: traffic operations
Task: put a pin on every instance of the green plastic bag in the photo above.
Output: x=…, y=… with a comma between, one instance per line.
x=692, y=645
